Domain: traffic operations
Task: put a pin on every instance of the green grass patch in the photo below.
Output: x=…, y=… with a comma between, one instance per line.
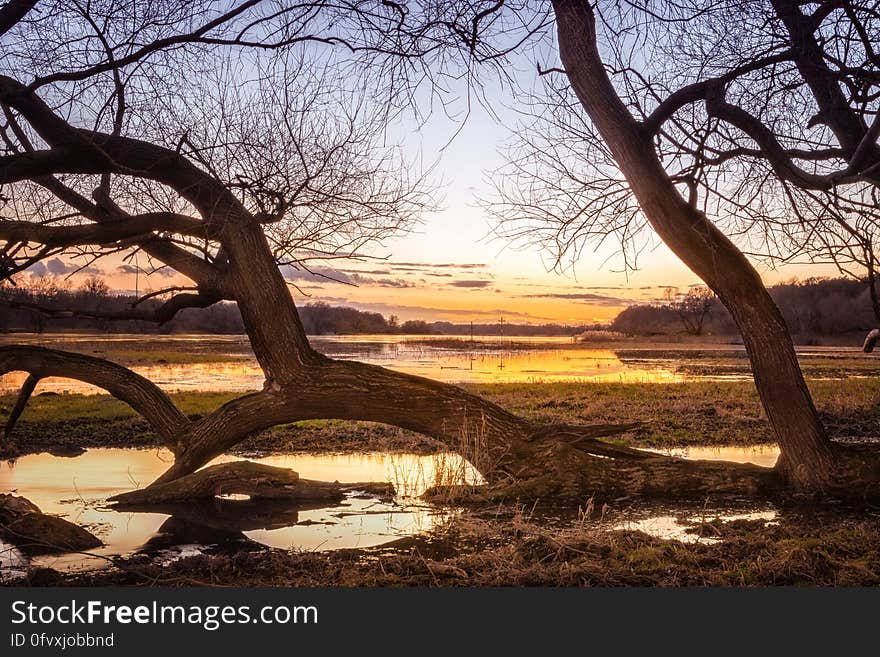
x=679, y=414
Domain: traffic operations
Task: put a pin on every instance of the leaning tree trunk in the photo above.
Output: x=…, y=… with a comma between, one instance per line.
x=806, y=454
x=517, y=457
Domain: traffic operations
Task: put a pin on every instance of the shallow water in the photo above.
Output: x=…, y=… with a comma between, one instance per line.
x=687, y=523
x=487, y=360
x=763, y=455
x=77, y=488
x=454, y=359
x=694, y=527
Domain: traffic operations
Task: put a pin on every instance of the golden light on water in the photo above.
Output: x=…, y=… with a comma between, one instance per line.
x=77, y=489
x=452, y=365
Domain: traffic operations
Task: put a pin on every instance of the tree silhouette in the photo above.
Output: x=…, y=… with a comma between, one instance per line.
x=134, y=132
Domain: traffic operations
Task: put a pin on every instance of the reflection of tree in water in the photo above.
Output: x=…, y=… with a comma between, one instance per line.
x=219, y=521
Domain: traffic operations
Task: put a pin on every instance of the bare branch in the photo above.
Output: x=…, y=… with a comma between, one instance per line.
x=139, y=393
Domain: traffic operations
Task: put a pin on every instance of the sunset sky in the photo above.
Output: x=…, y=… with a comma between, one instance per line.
x=451, y=268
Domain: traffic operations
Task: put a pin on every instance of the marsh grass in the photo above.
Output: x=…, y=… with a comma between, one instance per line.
x=520, y=547
x=674, y=415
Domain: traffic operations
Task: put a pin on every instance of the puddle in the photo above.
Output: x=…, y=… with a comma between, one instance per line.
x=693, y=528
x=762, y=455
x=78, y=487
x=674, y=523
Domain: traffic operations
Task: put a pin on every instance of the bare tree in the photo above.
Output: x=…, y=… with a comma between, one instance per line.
x=95, y=286
x=728, y=129
x=692, y=308
x=115, y=145
x=103, y=114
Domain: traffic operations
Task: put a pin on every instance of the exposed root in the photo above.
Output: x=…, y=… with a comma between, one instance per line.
x=34, y=532
x=255, y=480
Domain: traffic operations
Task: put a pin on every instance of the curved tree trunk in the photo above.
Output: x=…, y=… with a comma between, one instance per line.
x=807, y=459
x=517, y=457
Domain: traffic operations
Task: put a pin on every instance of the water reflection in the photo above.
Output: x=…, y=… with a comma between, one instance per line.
x=454, y=359
x=762, y=455
x=486, y=360
x=696, y=527
x=77, y=488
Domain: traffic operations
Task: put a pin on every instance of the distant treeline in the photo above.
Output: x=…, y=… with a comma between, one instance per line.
x=46, y=304
x=813, y=307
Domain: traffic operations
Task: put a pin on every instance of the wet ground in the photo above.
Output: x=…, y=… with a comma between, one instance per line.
x=607, y=542
x=77, y=488
x=215, y=363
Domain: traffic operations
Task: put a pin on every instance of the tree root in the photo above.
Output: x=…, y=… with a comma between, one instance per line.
x=34, y=532
x=255, y=480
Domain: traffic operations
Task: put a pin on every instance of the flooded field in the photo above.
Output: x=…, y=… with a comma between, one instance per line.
x=225, y=363
x=78, y=488
x=710, y=413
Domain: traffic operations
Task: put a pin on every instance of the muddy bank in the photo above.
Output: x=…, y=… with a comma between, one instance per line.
x=510, y=548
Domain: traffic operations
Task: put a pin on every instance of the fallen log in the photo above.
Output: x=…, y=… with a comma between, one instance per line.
x=255, y=480
x=34, y=532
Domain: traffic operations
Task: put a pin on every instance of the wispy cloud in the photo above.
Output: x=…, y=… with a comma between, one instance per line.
x=321, y=275
x=384, y=282
x=380, y=272
x=470, y=282
x=429, y=313
x=442, y=265
x=316, y=275
x=165, y=272
x=58, y=267
x=585, y=297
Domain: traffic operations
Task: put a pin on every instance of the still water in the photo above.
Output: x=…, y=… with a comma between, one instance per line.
x=450, y=359
x=225, y=363
x=77, y=488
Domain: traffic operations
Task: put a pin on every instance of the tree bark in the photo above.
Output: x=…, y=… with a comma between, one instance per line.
x=27, y=389
x=139, y=393
x=807, y=459
x=258, y=481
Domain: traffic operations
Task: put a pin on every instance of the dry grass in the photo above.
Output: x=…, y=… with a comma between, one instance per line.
x=680, y=414
x=518, y=548
x=694, y=413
